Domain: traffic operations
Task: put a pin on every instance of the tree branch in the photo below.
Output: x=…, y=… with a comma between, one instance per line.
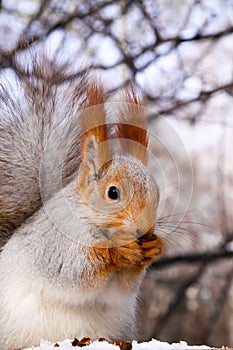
x=192, y=258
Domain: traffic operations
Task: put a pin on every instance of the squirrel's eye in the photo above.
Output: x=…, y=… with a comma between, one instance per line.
x=113, y=193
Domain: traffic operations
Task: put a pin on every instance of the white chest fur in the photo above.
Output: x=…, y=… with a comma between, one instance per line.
x=31, y=310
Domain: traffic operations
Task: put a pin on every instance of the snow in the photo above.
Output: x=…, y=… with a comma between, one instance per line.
x=103, y=345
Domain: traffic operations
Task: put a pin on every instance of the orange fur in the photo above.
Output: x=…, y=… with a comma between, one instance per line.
x=124, y=257
x=133, y=126
x=125, y=253
x=93, y=118
x=135, y=203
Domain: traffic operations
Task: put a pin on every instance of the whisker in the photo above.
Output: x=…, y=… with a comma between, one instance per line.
x=176, y=226
x=172, y=242
x=177, y=214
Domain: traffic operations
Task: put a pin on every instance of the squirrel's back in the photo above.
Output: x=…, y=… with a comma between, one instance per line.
x=38, y=131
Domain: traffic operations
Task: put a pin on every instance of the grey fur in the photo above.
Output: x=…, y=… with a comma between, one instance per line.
x=50, y=287
x=39, y=139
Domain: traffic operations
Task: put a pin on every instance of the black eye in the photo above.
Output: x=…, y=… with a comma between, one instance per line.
x=113, y=193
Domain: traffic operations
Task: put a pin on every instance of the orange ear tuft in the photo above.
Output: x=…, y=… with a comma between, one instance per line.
x=133, y=126
x=92, y=119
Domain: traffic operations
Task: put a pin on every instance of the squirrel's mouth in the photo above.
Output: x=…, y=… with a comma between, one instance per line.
x=107, y=233
x=145, y=236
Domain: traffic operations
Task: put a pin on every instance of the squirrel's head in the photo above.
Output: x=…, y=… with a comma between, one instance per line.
x=114, y=182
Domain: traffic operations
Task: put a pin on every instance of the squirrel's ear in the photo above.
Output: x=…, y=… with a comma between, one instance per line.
x=95, y=147
x=132, y=126
x=91, y=153
x=90, y=165
x=93, y=122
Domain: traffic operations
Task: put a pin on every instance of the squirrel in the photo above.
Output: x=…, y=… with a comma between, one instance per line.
x=77, y=207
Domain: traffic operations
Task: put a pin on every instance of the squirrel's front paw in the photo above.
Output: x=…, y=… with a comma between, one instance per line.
x=125, y=250
x=131, y=252
x=152, y=248
x=128, y=251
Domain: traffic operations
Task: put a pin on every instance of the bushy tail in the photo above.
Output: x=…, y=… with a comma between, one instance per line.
x=39, y=138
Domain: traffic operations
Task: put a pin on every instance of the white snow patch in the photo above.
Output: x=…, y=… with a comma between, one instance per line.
x=103, y=345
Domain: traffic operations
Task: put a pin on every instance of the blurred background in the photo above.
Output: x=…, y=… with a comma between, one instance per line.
x=179, y=53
